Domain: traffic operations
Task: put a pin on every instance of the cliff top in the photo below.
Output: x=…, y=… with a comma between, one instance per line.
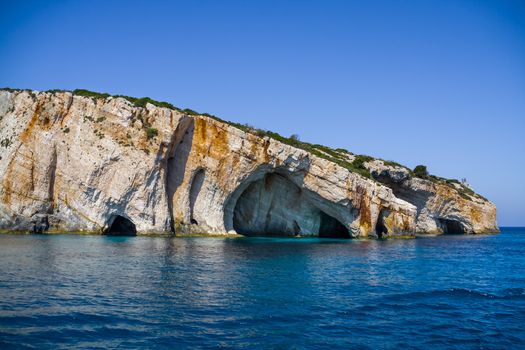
x=363, y=165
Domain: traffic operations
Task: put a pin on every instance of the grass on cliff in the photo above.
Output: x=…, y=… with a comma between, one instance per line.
x=464, y=191
x=137, y=102
x=338, y=156
x=151, y=133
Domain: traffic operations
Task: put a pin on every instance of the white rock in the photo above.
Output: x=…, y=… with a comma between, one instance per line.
x=82, y=162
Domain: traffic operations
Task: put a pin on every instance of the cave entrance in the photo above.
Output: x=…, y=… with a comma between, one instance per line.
x=450, y=226
x=275, y=206
x=332, y=228
x=121, y=226
x=381, y=229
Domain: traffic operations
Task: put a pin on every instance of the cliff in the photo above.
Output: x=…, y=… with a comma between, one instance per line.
x=96, y=163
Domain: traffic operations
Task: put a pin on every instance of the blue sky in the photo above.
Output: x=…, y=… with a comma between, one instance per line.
x=440, y=83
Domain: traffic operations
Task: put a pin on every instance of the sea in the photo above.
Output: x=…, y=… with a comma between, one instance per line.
x=99, y=292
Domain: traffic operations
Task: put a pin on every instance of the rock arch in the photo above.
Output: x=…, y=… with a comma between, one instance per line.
x=272, y=204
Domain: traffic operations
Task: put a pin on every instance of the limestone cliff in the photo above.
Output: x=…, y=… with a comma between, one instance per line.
x=106, y=164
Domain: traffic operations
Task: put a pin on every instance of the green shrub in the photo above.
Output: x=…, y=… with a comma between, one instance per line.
x=56, y=90
x=294, y=137
x=66, y=130
x=143, y=101
x=360, y=160
x=393, y=164
x=8, y=89
x=92, y=94
x=189, y=111
x=151, y=133
x=421, y=171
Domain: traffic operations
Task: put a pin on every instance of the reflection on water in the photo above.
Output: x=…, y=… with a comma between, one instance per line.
x=89, y=291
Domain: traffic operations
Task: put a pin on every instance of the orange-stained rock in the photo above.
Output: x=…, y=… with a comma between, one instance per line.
x=81, y=162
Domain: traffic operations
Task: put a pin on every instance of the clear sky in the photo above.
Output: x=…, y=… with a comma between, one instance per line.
x=440, y=83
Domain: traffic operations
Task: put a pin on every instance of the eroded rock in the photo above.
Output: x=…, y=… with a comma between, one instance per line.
x=99, y=165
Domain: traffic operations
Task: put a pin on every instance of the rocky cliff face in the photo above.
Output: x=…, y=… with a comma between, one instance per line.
x=75, y=163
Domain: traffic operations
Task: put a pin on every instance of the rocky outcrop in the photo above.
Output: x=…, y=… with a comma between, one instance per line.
x=76, y=163
x=443, y=206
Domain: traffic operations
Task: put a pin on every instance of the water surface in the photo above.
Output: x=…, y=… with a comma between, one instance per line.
x=68, y=291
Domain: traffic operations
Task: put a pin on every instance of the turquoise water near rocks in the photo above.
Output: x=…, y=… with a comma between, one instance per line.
x=68, y=291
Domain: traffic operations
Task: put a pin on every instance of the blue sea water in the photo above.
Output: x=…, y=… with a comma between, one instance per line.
x=68, y=291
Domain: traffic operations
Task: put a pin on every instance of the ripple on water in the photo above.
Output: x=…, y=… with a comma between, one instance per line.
x=248, y=293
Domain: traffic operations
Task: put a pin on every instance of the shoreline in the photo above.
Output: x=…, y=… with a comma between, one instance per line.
x=236, y=235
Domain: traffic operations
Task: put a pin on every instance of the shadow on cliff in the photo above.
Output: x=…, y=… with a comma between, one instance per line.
x=177, y=159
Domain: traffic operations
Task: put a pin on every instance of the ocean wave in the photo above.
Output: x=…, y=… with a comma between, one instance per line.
x=508, y=293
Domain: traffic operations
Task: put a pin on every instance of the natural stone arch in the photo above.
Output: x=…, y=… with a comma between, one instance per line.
x=273, y=204
x=120, y=226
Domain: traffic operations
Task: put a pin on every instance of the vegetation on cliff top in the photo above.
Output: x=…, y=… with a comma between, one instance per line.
x=421, y=171
x=338, y=156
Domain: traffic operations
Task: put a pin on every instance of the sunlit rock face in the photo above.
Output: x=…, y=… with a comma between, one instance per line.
x=81, y=162
x=441, y=207
x=103, y=165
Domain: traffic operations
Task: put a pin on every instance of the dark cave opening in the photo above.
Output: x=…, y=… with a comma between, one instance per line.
x=381, y=229
x=121, y=226
x=450, y=226
x=332, y=228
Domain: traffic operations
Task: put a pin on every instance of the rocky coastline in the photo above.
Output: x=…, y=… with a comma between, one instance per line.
x=94, y=163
